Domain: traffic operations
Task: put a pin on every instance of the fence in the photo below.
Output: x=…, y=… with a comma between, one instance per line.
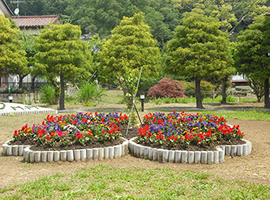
x=13, y=87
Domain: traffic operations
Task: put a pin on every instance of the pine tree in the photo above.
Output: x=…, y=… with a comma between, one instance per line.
x=199, y=49
x=12, y=57
x=62, y=54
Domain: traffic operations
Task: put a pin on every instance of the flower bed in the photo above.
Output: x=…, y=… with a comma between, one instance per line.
x=173, y=137
x=179, y=137
x=64, y=131
x=183, y=131
x=70, y=133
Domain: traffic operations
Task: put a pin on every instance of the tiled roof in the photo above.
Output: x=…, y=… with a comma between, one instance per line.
x=35, y=21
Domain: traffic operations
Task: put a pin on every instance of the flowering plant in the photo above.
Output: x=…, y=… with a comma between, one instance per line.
x=173, y=128
x=71, y=129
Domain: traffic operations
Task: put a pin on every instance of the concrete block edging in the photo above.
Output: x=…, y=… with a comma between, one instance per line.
x=65, y=155
x=184, y=156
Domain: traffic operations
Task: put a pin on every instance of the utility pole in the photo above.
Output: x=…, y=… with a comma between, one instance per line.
x=18, y=6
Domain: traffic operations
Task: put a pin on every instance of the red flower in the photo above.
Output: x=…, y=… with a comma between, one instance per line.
x=48, y=137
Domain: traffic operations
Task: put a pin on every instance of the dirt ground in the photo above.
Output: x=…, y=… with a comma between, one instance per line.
x=254, y=167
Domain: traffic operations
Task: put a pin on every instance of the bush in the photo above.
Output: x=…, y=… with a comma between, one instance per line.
x=230, y=98
x=47, y=94
x=167, y=88
x=90, y=92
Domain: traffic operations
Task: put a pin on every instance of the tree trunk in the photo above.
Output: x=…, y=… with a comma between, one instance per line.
x=198, y=93
x=33, y=83
x=62, y=94
x=129, y=99
x=266, y=93
x=56, y=88
x=20, y=81
x=223, y=90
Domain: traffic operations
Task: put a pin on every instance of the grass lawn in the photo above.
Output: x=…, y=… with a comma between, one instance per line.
x=255, y=114
x=105, y=182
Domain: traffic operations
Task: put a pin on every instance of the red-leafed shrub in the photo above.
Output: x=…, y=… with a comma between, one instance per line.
x=167, y=88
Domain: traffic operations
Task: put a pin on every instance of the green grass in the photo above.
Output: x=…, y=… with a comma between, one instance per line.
x=113, y=97
x=255, y=114
x=218, y=99
x=105, y=182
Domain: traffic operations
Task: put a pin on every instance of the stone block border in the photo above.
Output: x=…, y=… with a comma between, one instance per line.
x=182, y=156
x=29, y=112
x=237, y=150
x=137, y=150
x=65, y=155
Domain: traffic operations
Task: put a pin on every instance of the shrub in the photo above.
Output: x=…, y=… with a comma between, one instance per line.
x=47, y=94
x=90, y=92
x=230, y=98
x=167, y=88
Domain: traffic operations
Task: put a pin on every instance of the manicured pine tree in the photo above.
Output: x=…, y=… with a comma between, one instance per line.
x=61, y=53
x=199, y=50
x=130, y=47
x=12, y=57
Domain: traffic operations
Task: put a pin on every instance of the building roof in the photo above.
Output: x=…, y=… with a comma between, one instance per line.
x=35, y=21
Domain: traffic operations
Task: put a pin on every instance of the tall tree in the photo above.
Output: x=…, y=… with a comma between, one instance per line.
x=12, y=57
x=199, y=49
x=252, y=52
x=130, y=47
x=233, y=15
x=62, y=54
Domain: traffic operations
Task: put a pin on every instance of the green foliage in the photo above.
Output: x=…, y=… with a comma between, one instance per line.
x=47, y=94
x=133, y=42
x=206, y=87
x=12, y=57
x=191, y=99
x=40, y=7
x=103, y=16
x=257, y=85
x=252, y=52
x=230, y=98
x=252, y=48
x=199, y=49
x=62, y=53
x=130, y=48
x=233, y=15
x=90, y=92
x=146, y=83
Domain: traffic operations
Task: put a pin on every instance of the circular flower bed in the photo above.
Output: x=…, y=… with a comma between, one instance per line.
x=160, y=137
x=72, y=131
x=182, y=138
x=191, y=132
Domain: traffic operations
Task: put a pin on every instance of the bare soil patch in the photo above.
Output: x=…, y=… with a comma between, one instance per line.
x=254, y=167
